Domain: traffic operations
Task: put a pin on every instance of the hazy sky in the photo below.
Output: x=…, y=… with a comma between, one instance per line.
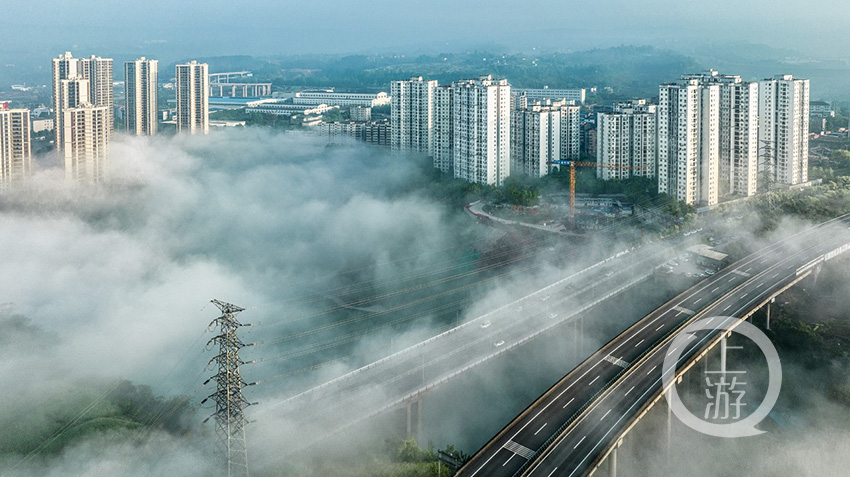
x=214, y=27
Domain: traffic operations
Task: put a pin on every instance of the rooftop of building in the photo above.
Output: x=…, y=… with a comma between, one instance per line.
x=704, y=250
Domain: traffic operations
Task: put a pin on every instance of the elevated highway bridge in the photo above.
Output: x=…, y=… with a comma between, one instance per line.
x=579, y=422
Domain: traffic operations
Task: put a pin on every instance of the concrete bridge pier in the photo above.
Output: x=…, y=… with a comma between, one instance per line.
x=414, y=418
x=815, y=274
x=578, y=338
x=612, y=463
x=767, y=321
x=669, y=425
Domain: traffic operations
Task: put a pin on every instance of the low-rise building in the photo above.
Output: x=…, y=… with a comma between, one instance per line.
x=820, y=110
x=329, y=97
x=39, y=125
x=285, y=109
x=361, y=113
x=579, y=95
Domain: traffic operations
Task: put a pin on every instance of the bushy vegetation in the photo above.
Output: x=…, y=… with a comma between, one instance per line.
x=397, y=458
x=75, y=410
x=255, y=119
x=628, y=70
x=82, y=410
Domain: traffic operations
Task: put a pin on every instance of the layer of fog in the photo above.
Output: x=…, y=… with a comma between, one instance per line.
x=119, y=275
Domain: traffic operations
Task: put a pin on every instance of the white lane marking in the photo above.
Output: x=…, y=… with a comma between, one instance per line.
x=774, y=275
x=605, y=415
x=662, y=326
x=747, y=270
x=760, y=285
x=730, y=306
x=541, y=428
x=697, y=301
x=744, y=295
x=552, y=473
x=671, y=351
x=568, y=403
x=594, y=380
x=731, y=279
x=630, y=390
x=709, y=321
x=715, y=289
x=509, y=459
x=579, y=442
x=651, y=370
x=639, y=342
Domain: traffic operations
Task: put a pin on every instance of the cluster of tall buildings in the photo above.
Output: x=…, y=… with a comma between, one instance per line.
x=477, y=130
x=710, y=136
x=83, y=107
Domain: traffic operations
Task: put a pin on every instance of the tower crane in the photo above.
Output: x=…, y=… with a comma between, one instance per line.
x=572, y=165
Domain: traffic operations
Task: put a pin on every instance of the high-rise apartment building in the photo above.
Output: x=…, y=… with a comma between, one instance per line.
x=570, y=131
x=193, y=98
x=86, y=136
x=64, y=67
x=443, y=137
x=97, y=73
x=739, y=120
x=784, y=128
x=140, y=80
x=689, y=141
x=412, y=115
x=15, y=153
x=481, y=130
x=626, y=141
x=535, y=139
x=570, y=117
x=541, y=132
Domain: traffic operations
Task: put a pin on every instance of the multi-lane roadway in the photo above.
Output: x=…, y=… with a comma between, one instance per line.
x=569, y=428
x=404, y=375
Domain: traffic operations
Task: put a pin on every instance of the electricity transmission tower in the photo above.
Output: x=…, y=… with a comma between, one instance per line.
x=229, y=403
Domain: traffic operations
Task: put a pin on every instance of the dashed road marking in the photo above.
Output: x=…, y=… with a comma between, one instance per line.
x=579, y=442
